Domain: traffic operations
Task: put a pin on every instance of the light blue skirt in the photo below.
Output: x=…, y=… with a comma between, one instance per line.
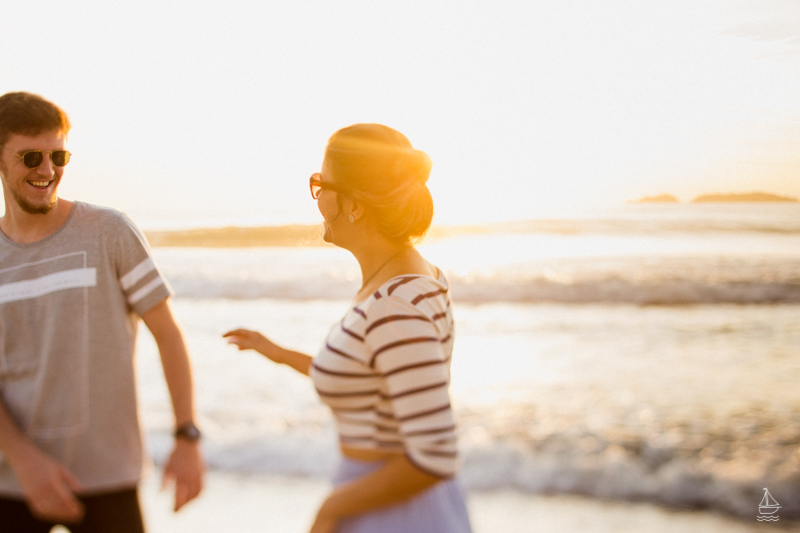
x=439, y=509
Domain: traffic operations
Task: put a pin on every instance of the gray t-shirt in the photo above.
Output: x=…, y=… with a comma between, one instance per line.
x=69, y=311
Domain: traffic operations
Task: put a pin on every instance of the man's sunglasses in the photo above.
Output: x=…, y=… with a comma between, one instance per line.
x=316, y=185
x=34, y=158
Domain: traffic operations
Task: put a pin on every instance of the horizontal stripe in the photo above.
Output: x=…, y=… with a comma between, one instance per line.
x=360, y=312
x=445, y=339
x=368, y=408
x=437, y=453
x=371, y=439
x=349, y=422
x=356, y=394
x=343, y=354
x=437, y=316
x=393, y=318
x=136, y=274
x=354, y=439
x=377, y=295
x=392, y=445
x=399, y=283
x=352, y=334
x=145, y=291
x=429, y=431
x=50, y=283
x=397, y=344
x=413, y=367
x=427, y=295
x=415, y=391
x=341, y=374
x=424, y=413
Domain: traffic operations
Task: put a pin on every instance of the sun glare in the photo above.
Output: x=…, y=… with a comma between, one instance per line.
x=527, y=110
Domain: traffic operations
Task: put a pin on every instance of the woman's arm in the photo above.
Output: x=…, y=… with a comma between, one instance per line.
x=394, y=482
x=246, y=339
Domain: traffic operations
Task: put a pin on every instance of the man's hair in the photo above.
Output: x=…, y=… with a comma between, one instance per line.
x=24, y=113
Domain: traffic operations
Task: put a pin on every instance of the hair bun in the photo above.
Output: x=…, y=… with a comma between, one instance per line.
x=384, y=170
x=425, y=165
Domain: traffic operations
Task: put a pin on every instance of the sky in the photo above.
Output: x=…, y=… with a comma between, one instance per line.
x=209, y=113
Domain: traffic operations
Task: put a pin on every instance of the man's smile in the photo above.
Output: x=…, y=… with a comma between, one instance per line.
x=41, y=184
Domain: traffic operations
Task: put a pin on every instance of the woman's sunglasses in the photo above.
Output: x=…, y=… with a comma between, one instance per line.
x=34, y=158
x=316, y=184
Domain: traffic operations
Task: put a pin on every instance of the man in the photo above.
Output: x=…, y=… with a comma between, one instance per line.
x=74, y=280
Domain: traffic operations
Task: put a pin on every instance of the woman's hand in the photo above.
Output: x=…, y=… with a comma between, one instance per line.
x=325, y=522
x=253, y=340
x=246, y=339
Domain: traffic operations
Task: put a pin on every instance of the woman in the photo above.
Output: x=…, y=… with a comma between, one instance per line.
x=385, y=367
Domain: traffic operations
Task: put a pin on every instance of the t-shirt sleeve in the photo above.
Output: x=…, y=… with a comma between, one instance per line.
x=141, y=281
x=406, y=350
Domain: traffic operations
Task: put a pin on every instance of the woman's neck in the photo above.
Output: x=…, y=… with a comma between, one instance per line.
x=375, y=257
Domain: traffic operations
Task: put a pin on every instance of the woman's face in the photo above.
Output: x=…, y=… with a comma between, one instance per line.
x=329, y=207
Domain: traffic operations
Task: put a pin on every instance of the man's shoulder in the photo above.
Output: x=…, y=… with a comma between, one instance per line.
x=98, y=212
x=103, y=218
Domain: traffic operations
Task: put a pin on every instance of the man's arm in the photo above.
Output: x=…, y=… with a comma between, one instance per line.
x=185, y=465
x=49, y=487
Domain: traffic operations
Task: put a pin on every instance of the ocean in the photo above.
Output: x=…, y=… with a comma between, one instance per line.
x=646, y=353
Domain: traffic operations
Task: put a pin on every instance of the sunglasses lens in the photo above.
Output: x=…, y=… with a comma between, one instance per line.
x=60, y=158
x=32, y=159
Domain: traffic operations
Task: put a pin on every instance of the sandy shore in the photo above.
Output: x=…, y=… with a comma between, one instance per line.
x=278, y=504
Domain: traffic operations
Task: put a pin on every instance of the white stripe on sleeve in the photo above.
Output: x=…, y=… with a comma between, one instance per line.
x=144, y=291
x=137, y=273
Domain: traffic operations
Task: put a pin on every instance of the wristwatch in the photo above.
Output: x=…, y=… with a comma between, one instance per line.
x=188, y=431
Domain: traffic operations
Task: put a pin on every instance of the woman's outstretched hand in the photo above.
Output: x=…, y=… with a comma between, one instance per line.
x=246, y=339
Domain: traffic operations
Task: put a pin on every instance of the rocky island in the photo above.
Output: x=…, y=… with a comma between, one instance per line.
x=717, y=198
x=658, y=199
x=743, y=197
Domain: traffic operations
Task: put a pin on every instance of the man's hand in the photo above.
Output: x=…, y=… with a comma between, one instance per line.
x=49, y=487
x=185, y=468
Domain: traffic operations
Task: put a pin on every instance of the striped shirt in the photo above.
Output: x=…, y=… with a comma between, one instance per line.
x=385, y=372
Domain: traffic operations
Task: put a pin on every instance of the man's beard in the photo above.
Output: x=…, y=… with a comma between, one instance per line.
x=34, y=209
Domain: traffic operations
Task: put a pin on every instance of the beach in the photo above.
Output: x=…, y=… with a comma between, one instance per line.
x=608, y=372
x=284, y=504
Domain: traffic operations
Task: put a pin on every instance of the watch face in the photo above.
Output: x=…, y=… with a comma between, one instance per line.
x=188, y=432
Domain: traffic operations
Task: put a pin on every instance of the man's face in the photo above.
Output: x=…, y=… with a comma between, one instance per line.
x=32, y=189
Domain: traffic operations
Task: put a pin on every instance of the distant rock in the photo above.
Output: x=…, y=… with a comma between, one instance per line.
x=743, y=197
x=659, y=199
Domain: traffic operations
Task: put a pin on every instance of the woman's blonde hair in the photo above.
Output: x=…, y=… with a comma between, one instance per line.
x=381, y=168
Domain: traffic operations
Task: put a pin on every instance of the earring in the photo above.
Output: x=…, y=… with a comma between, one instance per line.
x=351, y=218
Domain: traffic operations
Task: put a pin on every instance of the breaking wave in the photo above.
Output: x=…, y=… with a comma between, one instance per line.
x=644, y=281
x=716, y=462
